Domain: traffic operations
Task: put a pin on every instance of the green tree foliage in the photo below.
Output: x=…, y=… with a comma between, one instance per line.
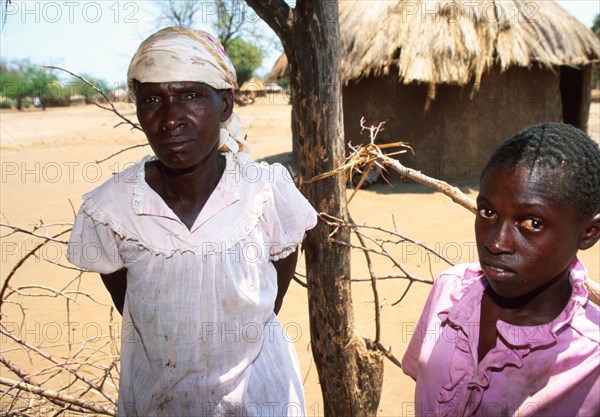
x=246, y=58
x=78, y=87
x=231, y=21
x=11, y=84
x=284, y=83
x=23, y=79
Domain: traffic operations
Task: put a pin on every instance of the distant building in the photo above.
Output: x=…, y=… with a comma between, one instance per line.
x=456, y=78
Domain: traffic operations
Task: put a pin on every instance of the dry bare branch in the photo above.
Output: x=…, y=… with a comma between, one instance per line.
x=373, y=286
x=59, y=363
x=24, y=259
x=96, y=89
x=366, y=155
x=140, y=145
x=111, y=108
x=67, y=399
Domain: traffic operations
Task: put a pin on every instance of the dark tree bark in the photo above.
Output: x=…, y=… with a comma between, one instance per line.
x=350, y=371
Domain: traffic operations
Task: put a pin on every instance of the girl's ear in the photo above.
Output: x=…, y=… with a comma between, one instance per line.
x=592, y=232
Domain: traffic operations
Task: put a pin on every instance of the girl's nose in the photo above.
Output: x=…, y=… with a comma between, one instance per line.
x=501, y=239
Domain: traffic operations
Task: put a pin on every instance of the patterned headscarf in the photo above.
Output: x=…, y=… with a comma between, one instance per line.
x=181, y=54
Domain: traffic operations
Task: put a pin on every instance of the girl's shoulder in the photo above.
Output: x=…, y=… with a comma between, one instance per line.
x=455, y=283
x=581, y=313
x=461, y=275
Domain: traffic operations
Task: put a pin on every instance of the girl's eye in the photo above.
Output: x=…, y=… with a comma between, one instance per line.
x=532, y=224
x=487, y=213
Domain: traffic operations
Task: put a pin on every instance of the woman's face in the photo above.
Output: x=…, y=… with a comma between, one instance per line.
x=524, y=238
x=182, y=120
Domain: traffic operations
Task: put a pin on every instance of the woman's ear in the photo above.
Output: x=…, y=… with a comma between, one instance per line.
x=227, y=100
x=592, y=232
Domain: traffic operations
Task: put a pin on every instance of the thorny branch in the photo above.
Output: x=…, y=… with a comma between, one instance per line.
x=31, y=253
x=378, y=246
x=364, y=156
x=68, y=402
x=373, y=286
x=84, y=381
x=112, y=108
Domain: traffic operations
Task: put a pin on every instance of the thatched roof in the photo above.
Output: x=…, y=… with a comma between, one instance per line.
x=253, y=84
x=456, y=41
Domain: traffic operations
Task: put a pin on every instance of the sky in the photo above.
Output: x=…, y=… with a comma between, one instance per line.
x=98, y=38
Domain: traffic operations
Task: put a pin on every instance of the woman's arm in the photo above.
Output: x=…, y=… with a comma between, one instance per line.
x=116, y=284
x=285, y=272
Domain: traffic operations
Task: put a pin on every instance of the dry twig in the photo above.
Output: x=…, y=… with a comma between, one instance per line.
x=68, y=400
x=29, y=395
x=366, y=155
x=112, y=108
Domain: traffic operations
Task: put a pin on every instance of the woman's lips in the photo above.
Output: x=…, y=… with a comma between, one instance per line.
x=175, y=145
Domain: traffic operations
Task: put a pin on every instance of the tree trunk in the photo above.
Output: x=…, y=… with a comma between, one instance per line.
x=350, y=371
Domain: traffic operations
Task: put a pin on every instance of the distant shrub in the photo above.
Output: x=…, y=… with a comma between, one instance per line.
x=6, y=103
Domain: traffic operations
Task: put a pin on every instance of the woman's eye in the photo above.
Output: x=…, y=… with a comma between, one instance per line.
x=151, y=99
x=190, y=96
x=487, y=213
x=532, y=224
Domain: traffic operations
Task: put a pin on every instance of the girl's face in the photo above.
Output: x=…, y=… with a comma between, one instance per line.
x=182, y=120
x=524, y=238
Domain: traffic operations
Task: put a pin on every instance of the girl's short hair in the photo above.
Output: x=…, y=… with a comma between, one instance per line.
x=561, y=151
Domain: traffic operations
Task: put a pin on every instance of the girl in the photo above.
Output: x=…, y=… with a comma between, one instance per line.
x=514, y=334
x=197, y=246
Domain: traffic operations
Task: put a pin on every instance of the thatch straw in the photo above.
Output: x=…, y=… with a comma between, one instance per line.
x=253, y=84
x=280, y=69
x=456, y=41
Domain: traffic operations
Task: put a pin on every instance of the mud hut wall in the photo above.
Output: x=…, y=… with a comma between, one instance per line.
x=585, y=96
x=454, y=138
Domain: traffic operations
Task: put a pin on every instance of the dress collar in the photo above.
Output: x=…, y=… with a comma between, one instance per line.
x=147, y=202
x=467, y=298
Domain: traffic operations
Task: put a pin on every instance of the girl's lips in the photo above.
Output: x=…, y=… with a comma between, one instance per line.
x=497, y=273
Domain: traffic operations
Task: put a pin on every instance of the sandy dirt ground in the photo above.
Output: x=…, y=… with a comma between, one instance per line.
x=47, y=160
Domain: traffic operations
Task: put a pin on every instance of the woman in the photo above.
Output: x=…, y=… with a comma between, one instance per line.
x=197, y=244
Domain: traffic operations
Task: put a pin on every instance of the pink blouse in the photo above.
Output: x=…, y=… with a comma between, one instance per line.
x=547, y=370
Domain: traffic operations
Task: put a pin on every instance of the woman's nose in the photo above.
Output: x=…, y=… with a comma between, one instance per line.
x=501, y=239
x=172, y=115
